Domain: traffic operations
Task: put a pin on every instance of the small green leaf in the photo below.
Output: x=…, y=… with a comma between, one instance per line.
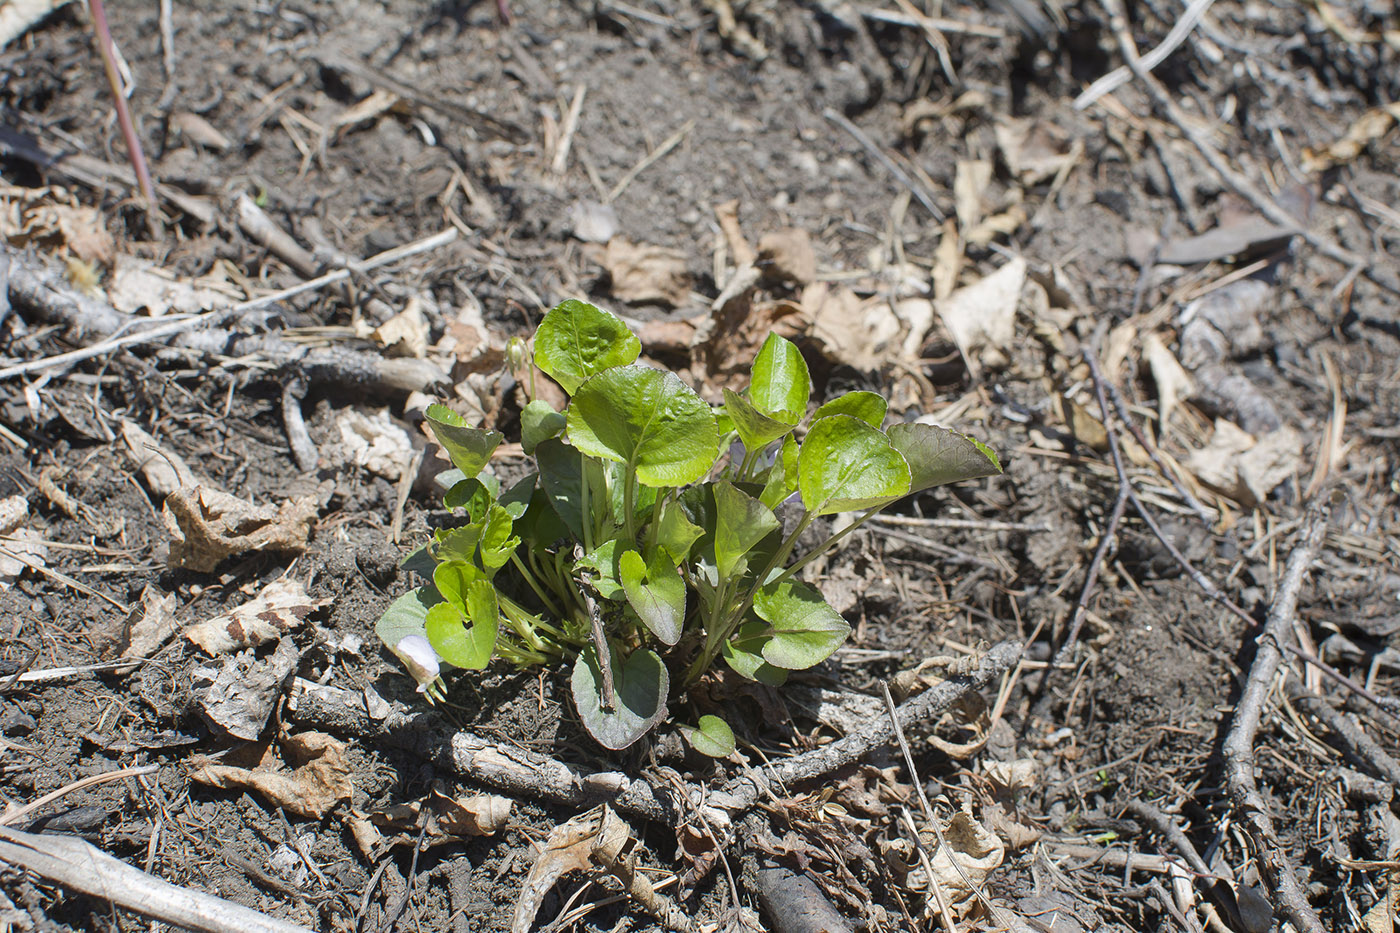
x=457, y=544
x=780, y=382
x=655, y=592
x=867, y=406
x=805, y=629
x=603, y=560
x=453, y=579
x=741, y=521
x=640, y=686
x=648, y=420
x=541, y=525
x=516, y=499
x=710, y=736
x=743, y=654
x=469, y=448
x=937, y=456
x=421, y=561
x=845, y=464
x=539, y=422
x=406, y=616
x=457, y=644
x=756, y=429
x=497, y=543
x=676, y=533
x=470, y=494
x=576, y=340
x=782, y=475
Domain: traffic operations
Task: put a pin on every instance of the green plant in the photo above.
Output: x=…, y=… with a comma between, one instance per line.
x=634, y=550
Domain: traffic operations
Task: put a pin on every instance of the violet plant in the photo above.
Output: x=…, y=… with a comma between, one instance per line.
x=635, y=552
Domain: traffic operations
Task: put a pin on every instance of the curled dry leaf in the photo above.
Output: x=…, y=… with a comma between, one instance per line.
x=863, y=334
x=1174, y=383
x=570, y=847
x=240, y=696
x=318, y=780
x=981, y=317
x=151, y=624
x=375, y=442
x=1369, y=127
x=25, y=547
x=440, y=817
x=971, y=847
x=787, y=256
x=1244, y=468
x=138, y=285
x=406, y=333
x=644, y=274
x=281, y=607
x=206, y=526
x=163, y=470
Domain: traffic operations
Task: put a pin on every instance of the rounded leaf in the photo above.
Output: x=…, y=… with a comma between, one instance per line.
x=406, y=616
x=937, y=456
x=576, y=340
x=741, y=521
x=640, y=685
x=845, y=464
x=780, y=385
x=869, y=407
x=756, y=429
x=469, y=448
x=710, y=736
x=539, y=422
x=648, y=420
x=805, y=630
x=455, y=642
x=655, y=592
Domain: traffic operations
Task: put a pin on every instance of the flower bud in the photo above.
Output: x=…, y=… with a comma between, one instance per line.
x=420, y=659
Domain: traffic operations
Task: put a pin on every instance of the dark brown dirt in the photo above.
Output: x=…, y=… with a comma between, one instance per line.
x=1141, y=713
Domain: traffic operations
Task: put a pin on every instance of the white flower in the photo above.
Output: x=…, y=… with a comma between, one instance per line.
x=420, y=659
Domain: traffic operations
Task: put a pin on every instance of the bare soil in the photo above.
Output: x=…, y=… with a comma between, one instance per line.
x=1140, y=709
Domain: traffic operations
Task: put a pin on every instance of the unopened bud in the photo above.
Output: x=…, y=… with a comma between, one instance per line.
x=420, y=659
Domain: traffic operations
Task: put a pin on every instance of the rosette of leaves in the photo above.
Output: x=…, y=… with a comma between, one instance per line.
x=636, y=554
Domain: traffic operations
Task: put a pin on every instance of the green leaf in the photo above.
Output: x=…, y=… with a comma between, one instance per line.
x=648, y=420
x=867, y=406
x=541, y=525
x=516, y=499
x=780, y=384
x=756, y=429
x=539, y=422
x=676, y=532
x=454, y=578
x=845, y=464
x=656, y=592
x=497, y=543
x=469, y=448
x=457, y=544
x=456, y=643
x=640, y=686
x=470, y=494
x=711, y=736
x=603, y=560
x=561, y=478
x=782, y=475
x=937, y=456
x=576, y=340
x=805, y=629
x=406, y=616
x=743, y=654
x=421, y=561
x=741, y=521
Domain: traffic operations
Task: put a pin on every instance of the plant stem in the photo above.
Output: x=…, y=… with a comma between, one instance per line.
x=826, y=545
x=534, y=585
x=585, y=514
x=629, y=492
x=108, y=50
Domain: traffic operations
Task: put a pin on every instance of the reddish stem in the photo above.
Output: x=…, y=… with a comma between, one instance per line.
x=133, y=144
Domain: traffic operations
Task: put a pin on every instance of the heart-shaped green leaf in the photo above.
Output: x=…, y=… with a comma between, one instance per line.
x=780, y=385
x=781, y=481
x=755, y=429
x=516, y=499
x=454, y=578
x=640, y=685
x=648, y=420
x=456, y=643
x=539, y=422
x=937, y=456
x=406, y=616
x=457, y=544
x=710, y=736
x=469, y=448
x=741, y=521
x=656, y=592
x=676, y=532
x=576, y=340
x=744, y=654
x=845, y=464
x=497, y=543
x=867, y=406
x=805, y=630
x=606, y=575
x=470, y=494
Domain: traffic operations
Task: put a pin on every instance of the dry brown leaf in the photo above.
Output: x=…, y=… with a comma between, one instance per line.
x=643, y=274
x=319, y=779
x=470, y=814
x=33, y=217
x=1034, y=149
x=1244, y=468
x=570, y=847
x=1174, y=383
x=1013, y=776
x=375, y=442
x=787, y=256
x=947, y=261
x=140, y=286
x=977, y=851
x=969, y=192
x=981, y=317
x=863, y=334
x=281, y=607
x=206, y=526
x=163, y=470
x=406, y=333
x=364, y=111
x=239, y=697
x=727, y=343
x=25, y=544
x=199, y=130
x=151, y=624
x=1369, y=127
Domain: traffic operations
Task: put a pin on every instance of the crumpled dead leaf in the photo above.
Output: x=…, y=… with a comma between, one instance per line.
x=318, y=780
x=1174, y=383
x=140, y=285
x=163, y=469
x=971, y=847
x=33, y=217
x=1369, y=127
x=440, y=816
x=26, y=545
x=1035, y=149
x=570, y=847
x=281, y=607
x=787, y=256
x=239, y=697
x=151, y=624
x=1013, y=776
x=375, y=442
x=644, y=274
x=981, y=317
x=862, y=333
x=1246, y=468
x=406, y=333
x=206, y=526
